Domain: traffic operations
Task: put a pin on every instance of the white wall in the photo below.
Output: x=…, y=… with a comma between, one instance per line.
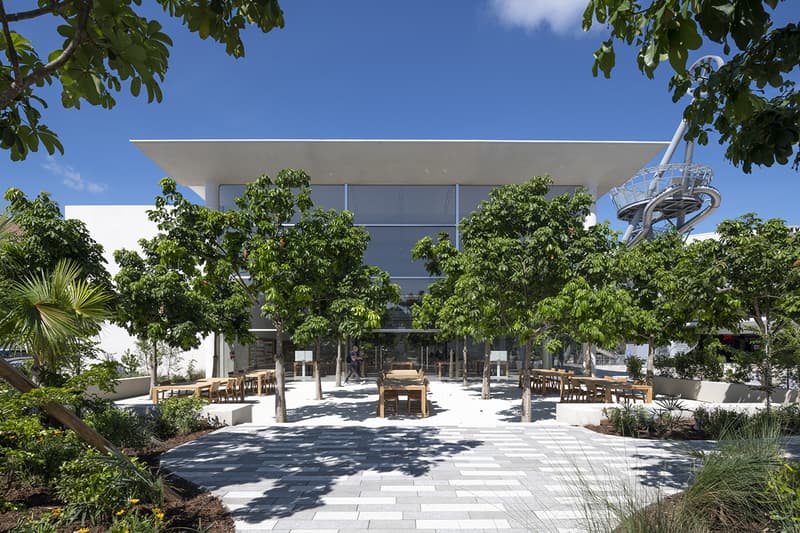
x=122, y=226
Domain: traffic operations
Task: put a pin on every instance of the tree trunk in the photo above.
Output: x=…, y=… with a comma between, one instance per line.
x=651, y=361
x=588, y=364
x=451, y=368
x=487, y=370
x=317, y=375
x=338, y=362
x=154, y=367
x=280, y=377
x=68, y=419
x=526, y=384
x=464, y=368
x=766, y=378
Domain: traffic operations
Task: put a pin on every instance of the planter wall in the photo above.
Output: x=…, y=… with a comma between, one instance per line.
x=718, y=391
x=126, y=388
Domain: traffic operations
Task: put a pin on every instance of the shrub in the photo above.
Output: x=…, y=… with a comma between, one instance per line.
x=181, y=415
x=628, y=419
x=719, y=421
x=135, y=519
x=783, y=490
x=122, y=428
x=100, y=485
x=731, y=486
x=634, y=367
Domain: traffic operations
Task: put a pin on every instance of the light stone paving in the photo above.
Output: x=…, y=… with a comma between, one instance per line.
x=470, y=466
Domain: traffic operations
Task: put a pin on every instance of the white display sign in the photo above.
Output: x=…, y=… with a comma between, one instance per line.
x=303, y=355
x=498, y=355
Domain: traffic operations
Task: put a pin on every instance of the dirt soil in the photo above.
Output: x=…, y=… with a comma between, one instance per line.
x=197, y=511
x=685, y=430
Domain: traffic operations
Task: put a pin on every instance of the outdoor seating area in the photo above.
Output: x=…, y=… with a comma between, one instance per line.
x=589, y=389
x=229, y=389
x=404, y=387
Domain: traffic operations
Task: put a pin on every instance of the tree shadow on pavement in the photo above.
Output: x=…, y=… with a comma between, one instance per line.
x=282, y=470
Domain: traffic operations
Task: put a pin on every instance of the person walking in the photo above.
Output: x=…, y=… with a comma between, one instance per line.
x=354, y=364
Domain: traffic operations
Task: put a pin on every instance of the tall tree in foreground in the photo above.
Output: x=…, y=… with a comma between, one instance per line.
x=752, y=100
x=520, y=248
x=106, y=45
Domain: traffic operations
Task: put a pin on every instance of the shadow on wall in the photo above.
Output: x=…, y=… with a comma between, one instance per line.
x=718, y=392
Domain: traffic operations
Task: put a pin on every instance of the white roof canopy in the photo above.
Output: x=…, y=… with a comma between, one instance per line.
x=597, y=165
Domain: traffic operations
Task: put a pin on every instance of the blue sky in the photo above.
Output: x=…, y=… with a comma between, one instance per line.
x=419, y=69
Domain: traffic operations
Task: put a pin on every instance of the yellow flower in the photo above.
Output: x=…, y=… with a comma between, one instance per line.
x=134, y=501
x=83, y=530
x=160, y=516
x=56, y=512
x=121, y=512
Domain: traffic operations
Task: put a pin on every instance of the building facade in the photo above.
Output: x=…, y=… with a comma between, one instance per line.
x=399, y=190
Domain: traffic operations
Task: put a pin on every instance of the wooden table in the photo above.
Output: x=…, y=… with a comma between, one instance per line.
x=264, y=377
x=400, y=386
x=562, y=375
x=397, y=365
x=194, y=387
x=610, y=385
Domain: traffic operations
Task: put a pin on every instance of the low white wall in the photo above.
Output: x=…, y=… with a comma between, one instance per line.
x=126, y=388
x=717, y=391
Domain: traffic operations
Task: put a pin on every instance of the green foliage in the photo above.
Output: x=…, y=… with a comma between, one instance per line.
x=122, y=428
x=100, y=485
x=628, y=419
x=719, y=421
x=180, y=415
x=106, y=45
x=633, y=365
x=135, y=519
x=699, y=363
x=752, y=100
x=783, y=492
x=52, y=522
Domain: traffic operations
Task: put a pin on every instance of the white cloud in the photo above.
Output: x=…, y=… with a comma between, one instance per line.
x=562, y=16
x=72, y=178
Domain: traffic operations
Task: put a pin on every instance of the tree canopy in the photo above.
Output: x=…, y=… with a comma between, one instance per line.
x=107, y=46
x=752, y=100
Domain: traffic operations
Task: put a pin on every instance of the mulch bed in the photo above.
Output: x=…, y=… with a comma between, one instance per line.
x=684, y=430
x=197, y=511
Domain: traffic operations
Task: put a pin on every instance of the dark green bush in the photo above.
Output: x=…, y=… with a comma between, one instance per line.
x=634, y=367
x=122, y=428
x=629, y=419
x=181, y=415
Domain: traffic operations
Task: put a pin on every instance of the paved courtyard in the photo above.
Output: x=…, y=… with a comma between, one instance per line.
x=470, y=466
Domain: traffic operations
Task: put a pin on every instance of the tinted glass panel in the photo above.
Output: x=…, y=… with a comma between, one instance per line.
x=390, y=248
x=395, y=204
x=227, y=193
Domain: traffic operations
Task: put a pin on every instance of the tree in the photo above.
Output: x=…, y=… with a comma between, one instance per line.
x=753, y=264
x=42, y=237
x=157, y=302
x=649, y=273
x=347, y=298
x=106, y=45
x=441, y=258
x=519, y=248
x=752, y=100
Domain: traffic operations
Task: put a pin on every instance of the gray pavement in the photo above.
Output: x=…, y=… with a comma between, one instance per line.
x=470, y=466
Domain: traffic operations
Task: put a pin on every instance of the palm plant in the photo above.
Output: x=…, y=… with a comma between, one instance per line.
x=48, y=314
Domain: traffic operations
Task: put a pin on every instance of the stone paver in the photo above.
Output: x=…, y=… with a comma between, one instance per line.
x=469, y=467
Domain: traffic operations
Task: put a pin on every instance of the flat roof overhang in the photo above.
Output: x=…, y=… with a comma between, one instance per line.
x=597, y=165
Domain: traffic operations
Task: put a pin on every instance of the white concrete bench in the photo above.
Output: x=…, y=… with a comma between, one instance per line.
x=229, y=414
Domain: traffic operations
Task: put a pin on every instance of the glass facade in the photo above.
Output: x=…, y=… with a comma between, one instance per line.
x=397, y=216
